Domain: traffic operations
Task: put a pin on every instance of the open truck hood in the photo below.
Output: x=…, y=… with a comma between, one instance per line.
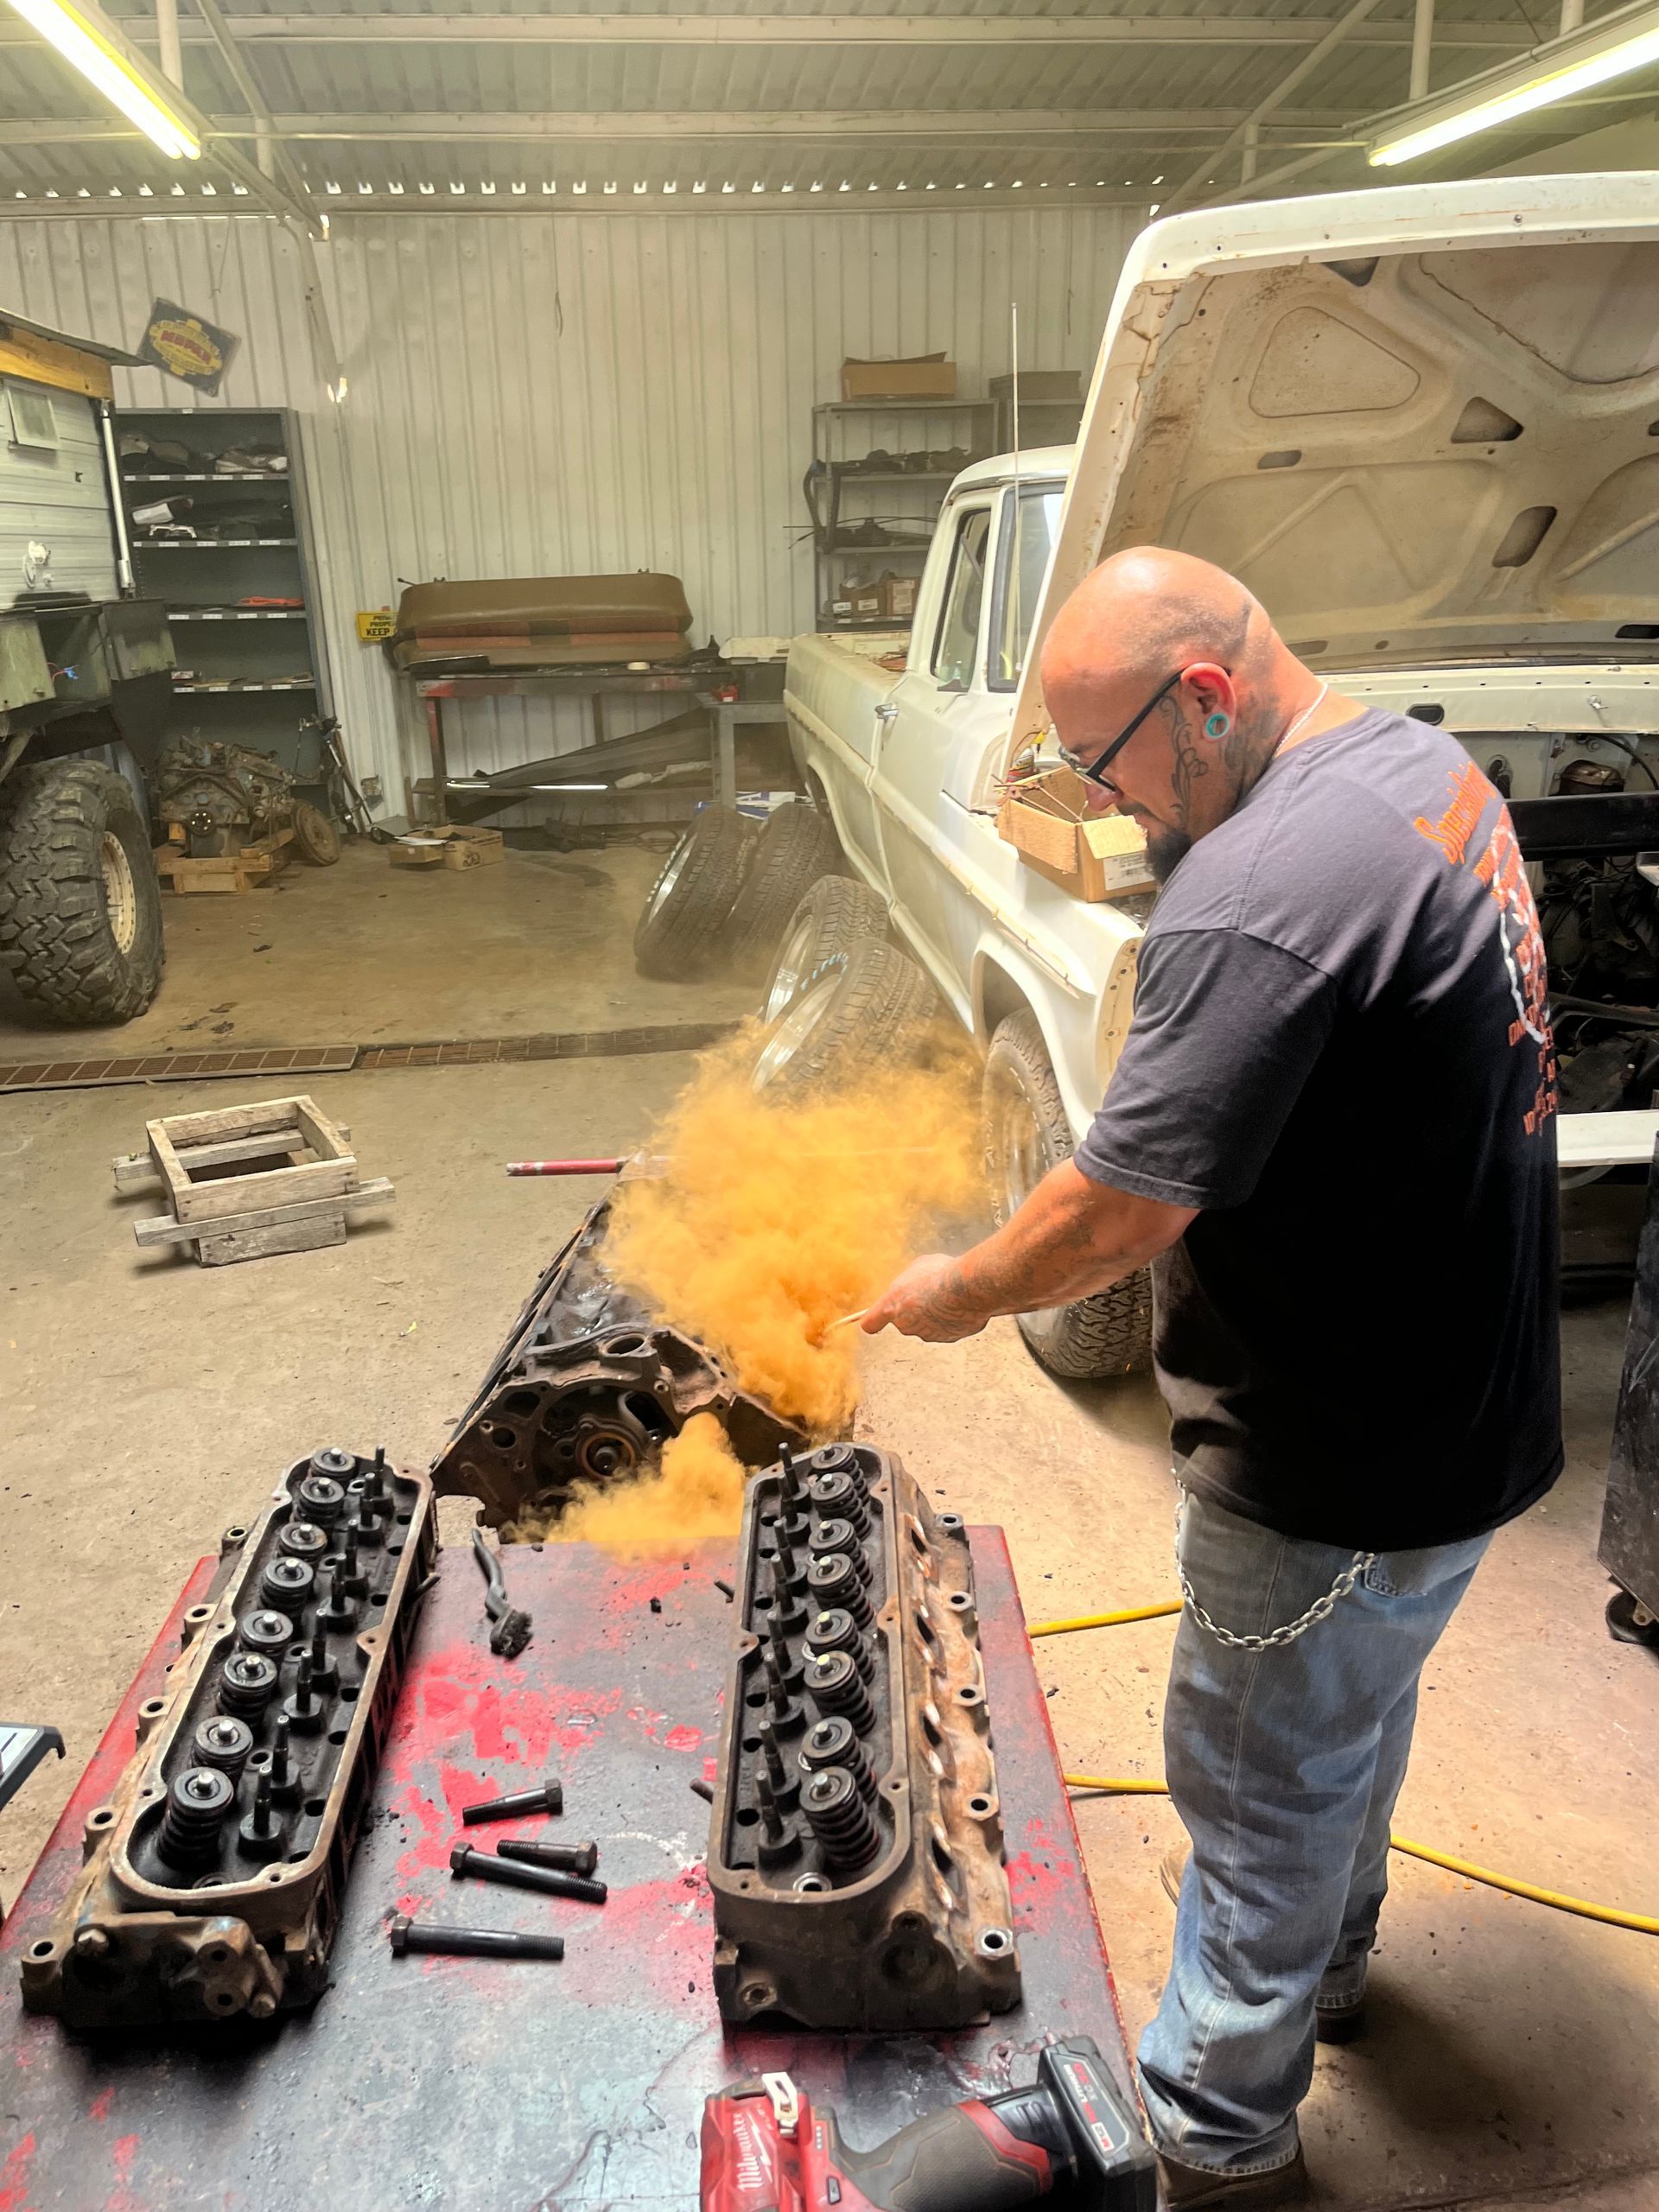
x=1421, y=424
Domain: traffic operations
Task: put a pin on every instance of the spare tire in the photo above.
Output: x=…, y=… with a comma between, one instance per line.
x=856, y=1009
x=685, y=918
x=796, y=847
x=837, y=913
x=81, y=904
x=1026, y=1133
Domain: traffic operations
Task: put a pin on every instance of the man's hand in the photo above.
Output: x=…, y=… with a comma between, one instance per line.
x=929, y=1300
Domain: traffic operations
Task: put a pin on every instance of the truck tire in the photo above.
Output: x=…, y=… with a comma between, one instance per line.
x=81, y=904
x=684, y=922
x=796, y=848
x=837, y=913
x=1026, y=1134
x=854, y=1010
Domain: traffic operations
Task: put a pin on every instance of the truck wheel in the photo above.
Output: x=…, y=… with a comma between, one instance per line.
x=856, y=1009
x=837, y=913
x=81, y=906
x=796, y=848
x=1026, y=1134
x=683, y=926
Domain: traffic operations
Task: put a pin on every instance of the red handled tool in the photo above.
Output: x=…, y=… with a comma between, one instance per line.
x=766, y=2149
x=565, y=1166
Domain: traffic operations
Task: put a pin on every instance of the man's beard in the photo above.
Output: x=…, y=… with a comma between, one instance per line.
x=1166, y=850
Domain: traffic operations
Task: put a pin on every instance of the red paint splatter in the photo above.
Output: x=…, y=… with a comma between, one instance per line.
x=123, y=2153
x=633, y=1594
x=14, y=2176
x=665, y=1931
x=683, y=1740
x=440, y=1824
x=99, y=2108
x=456, y=1702
x=1041, y=1876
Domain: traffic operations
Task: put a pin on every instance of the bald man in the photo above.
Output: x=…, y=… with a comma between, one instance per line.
x=1331, y=1133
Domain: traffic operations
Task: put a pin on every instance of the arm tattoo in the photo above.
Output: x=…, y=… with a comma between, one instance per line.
x=949, y=1305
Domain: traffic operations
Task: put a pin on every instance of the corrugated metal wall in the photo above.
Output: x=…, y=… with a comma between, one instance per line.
x=537, y=393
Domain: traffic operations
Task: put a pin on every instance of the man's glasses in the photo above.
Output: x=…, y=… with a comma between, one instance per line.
x=1092, y=773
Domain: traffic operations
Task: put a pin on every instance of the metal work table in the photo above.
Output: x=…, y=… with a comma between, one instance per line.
x=479, y=2085
x=595, y=687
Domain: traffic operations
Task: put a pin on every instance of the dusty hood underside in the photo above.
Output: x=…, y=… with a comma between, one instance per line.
x=1416, y=457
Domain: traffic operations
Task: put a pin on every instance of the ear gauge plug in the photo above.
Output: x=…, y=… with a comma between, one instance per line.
x=1218, y=725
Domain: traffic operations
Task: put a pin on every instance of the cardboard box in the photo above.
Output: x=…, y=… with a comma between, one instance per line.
x=901, y=597
x=1094, y=857
x=924, y=376
x=454, y=846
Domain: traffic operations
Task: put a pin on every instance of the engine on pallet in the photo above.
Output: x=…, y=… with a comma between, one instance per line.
x=214, y=1875
x=587, y=1388
x=856, y=1841
x=213, y=797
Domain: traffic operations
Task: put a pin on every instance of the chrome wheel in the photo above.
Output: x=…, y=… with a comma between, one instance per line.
x=670, y=876
x=791, y=1030
x=120, y=892
x=793, y=965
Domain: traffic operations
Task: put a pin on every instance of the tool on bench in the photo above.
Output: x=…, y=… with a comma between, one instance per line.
x=565, y=1166
x=409, y=1935
x=566, y=1857
x=508, y=1627
x=546, y=1798
x=517, y=1874
x=766, y=2149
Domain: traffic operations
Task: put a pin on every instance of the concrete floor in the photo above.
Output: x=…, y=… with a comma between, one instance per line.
x=153, y=1401
x=365, y=953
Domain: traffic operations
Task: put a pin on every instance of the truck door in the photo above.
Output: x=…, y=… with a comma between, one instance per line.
x=935, y=710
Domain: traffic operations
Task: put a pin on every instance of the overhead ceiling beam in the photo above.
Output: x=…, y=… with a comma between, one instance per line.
x=809, y=30
x=1333, y=38
x=273, y=162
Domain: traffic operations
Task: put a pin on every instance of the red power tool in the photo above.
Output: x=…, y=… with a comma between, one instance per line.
x=766, y=2149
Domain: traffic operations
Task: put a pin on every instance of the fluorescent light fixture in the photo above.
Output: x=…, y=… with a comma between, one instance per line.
x=1560, y=69
x=77, y=37
x=505, y=790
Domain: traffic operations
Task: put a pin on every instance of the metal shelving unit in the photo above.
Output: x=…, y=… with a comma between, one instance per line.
x=910, y=531
x=264, y=685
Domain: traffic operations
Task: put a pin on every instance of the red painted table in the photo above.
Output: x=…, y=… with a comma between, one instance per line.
x=478, y=2086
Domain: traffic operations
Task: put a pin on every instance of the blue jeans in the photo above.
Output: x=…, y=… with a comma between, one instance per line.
x=1284, y=1765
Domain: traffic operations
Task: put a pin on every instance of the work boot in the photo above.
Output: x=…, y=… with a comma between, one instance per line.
x=1194, y=2189
x=1332, y=2023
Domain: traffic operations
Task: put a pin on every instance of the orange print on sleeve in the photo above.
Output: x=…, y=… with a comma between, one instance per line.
x=1471, y=795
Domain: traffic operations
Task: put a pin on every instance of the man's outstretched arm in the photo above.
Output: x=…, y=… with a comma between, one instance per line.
x=1072, y=1238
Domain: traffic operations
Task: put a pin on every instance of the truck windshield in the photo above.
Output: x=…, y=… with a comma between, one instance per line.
x=957, y=639
x=1021, y=565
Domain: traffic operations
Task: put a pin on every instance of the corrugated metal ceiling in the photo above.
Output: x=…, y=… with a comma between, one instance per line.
x=438, y=120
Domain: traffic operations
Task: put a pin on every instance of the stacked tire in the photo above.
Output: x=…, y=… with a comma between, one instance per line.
x=727, y=891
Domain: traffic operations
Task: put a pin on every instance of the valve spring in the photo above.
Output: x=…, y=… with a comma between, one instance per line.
x=223, y=1741
x=836, y=1584
x=197, y=1801
x=286, y=1583
x=833, y=1743
x=836, y=1631
x=335, y=1461
x=266, y=1632
x=840, y=1535
x=841, y=1495
x=247, y=1684
x=843, y=1822
x=303, y=1540
x=834, y=1686
x=837, y=1459
x=322, y=1498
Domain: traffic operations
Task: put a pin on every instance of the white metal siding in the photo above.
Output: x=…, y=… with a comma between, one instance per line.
x=55, y=497
x=538, y=393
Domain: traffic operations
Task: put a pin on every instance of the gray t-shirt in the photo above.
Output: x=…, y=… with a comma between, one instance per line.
x=1341, y=1056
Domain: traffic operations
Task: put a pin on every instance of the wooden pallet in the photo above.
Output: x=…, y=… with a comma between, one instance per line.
x=238, y=871
x=249, y=1180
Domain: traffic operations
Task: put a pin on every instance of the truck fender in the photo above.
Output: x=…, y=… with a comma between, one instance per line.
x=1004, y=981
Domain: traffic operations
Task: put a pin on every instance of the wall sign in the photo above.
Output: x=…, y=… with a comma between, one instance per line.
x=187, y=347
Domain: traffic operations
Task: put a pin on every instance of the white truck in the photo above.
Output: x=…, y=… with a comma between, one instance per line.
x=1423, y=425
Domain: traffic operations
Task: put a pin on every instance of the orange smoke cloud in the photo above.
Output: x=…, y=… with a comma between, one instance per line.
x=773, y=1219
x=695, y=1494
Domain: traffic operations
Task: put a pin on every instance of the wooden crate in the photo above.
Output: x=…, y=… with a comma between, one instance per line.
x=238, y=871
x=300, y=1183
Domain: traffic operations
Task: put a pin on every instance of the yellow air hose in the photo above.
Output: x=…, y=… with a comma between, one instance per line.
x=1119, y=1785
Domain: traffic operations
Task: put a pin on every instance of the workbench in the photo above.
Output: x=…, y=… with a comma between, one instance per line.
x=596, y=687
x=481, y=2086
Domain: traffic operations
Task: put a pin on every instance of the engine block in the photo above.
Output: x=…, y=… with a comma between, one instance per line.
x=214, y=1875
x=587, y=1389
x=856, y=1843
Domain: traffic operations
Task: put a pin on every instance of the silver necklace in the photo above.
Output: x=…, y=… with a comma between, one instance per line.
x=1291, y=728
